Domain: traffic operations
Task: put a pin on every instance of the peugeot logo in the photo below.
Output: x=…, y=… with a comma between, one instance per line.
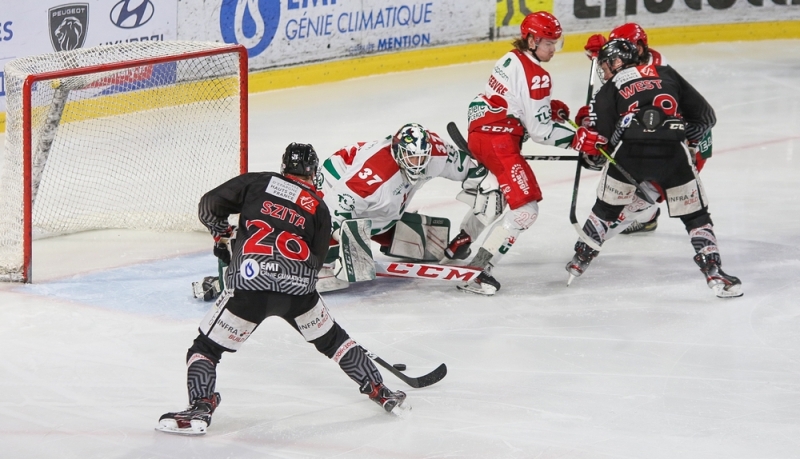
x=127, y=16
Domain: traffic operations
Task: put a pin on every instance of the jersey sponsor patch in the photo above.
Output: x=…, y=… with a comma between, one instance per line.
x=307, y=202
x=614, y=192
x=225, y=328
x=291, y=192
x=685, y=199
x=249, y=269
x=283, y=189
x=315, y=322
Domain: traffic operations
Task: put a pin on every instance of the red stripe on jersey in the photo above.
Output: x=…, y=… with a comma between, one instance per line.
x=375, y=172
x=538, y=79
x=348, y=155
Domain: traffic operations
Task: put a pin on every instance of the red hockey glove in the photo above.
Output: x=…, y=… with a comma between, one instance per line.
x=582, y=118
x=593, y=45
x=559, y=110
x=586, y=141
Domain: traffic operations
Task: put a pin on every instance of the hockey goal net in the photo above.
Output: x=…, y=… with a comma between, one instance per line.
x=121, y=136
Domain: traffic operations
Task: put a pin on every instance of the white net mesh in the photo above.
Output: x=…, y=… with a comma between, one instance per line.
x=130, y=148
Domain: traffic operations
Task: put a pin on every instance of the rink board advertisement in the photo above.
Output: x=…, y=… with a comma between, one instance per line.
x=578, y=16
x=35, y=27
x=285, y=32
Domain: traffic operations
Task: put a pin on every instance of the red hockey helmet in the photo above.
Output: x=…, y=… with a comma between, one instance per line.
x=542, y=25
x=631, y=31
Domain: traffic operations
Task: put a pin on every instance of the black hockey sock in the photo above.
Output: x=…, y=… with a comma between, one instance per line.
x=201, y=377
x=359, y=367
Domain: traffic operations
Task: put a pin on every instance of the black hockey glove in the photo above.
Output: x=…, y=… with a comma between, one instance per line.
x=221, y=249
x=593, y=162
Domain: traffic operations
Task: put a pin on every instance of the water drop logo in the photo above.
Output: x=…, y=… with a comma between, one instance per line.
x=251, y=23
x=249, y=269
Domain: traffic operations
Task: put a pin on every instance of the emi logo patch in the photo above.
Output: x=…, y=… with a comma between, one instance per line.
x=68, y=25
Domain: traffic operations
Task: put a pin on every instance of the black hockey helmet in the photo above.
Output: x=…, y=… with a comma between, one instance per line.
x=300, y=159
x=620, y=48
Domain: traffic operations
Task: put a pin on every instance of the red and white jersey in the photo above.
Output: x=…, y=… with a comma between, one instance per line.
x=516, y=100
x=364, y=180
x=656, y=58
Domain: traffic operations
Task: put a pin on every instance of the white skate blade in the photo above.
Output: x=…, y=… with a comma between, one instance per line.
x=401, y=411
x=733, y=291
x=480, y=289
x=171, y=426
x=571, y=278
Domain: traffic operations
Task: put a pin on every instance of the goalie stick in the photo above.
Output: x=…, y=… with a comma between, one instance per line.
x=461, y=143
x=425, y=271
x=422, y=381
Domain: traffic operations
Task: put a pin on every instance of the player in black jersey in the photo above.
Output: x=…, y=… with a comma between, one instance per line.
x=280, y=245
x=650, y=112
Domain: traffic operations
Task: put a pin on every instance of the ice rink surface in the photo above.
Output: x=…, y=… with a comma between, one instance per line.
x=637, y=359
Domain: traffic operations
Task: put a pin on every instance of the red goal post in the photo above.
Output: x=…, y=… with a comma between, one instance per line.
x=119, y=136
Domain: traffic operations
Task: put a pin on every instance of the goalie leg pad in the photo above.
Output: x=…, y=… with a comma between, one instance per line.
x=504, y=233
x=355, y=254
x=420, y=237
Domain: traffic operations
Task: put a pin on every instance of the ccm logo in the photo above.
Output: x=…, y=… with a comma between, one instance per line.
x=497, y=129
x=430, y=271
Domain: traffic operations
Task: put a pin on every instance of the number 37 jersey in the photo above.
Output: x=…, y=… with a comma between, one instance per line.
x=364, y=180
x=283, y=233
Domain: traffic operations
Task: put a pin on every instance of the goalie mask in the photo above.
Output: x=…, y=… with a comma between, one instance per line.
x=411, y=147
x=300, y=159
x=620, y=49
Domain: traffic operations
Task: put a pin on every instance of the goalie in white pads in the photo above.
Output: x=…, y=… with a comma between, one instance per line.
x=369, y=185
x=282, y=239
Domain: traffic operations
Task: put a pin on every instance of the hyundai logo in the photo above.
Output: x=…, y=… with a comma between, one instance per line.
x=130, y=14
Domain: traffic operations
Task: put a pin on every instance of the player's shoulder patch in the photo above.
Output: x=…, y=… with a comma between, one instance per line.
x=376, y=171
x=285, y=189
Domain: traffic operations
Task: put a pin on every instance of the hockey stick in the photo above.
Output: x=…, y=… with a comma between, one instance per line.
x=423, y=381
x=461, y=143
x=573, y=204
x=425, y=271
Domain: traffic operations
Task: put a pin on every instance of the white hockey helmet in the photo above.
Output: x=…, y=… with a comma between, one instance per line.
x=411, y=147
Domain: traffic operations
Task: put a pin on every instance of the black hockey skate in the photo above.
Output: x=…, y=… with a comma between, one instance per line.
x=458, y=249
x=484, y=284
x=645, y=227
x=193, y=420
x=580, y=262
x=392, y=402
x=723, y=285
